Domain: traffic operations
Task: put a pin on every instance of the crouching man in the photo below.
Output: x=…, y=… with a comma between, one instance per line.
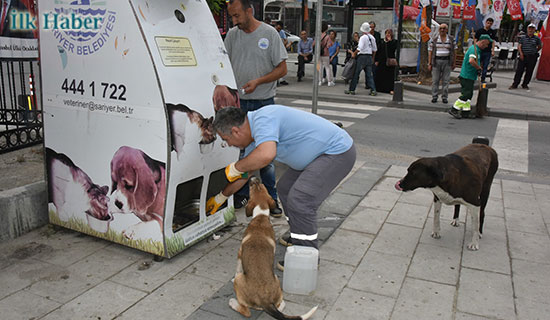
x=319, y=155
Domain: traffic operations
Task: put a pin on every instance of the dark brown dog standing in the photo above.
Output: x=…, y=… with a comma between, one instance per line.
x=256, y=285
x=463, y=177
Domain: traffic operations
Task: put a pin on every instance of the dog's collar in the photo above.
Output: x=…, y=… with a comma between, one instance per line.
x=257, y=211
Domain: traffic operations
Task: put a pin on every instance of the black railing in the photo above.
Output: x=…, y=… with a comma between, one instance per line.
x=20, y=109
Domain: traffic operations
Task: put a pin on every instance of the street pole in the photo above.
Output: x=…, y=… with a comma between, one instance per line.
x=318, y=20
x=398, y=84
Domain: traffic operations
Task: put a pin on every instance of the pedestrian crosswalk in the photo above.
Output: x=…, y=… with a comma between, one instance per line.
x=337, y=111
x=512, y=145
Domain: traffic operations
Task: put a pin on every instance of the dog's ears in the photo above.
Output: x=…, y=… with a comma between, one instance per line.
x=145, y=189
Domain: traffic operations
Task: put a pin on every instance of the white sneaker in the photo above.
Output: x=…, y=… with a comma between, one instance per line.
x=324, y=80
x=320, y=83
x=331, y=84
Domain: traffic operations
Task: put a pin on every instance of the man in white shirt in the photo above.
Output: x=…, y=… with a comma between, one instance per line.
x=366, y=51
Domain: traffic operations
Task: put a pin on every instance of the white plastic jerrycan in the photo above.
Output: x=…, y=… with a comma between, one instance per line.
x=300, y=275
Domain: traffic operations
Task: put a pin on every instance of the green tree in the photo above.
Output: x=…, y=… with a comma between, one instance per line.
x=215, y=5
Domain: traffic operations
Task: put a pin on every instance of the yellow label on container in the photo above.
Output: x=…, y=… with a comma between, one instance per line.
x=176, y=51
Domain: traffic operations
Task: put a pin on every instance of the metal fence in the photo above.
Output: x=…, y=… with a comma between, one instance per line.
x=20, y=109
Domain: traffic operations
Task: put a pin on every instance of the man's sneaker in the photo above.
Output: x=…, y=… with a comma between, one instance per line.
x=373, y=93
x=281, y=265
x=349, y=92
x=276, y=212
x=455, y=113
x=512, y=87
x=444, y=100
x=240, y=201
x=434, y=100
x=285, y=240
x=331, y=84
x=468, y=115
x=525, y=87
x=284, y=83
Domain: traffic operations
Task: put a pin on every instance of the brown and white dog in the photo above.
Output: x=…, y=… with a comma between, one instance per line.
x=139, y=187
x=463, y=177
x=256, y=285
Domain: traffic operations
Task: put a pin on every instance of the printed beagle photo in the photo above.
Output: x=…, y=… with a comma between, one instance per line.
x=138, y=187
x=189, y=128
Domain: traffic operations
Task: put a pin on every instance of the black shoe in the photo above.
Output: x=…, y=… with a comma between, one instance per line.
x=284, y=83
x=455, y=113
x=299, y=79
x=281, y=265
x=468, y=115
x=276, y=212
x=434, y=100
x=444, y=100
x=525, y=87
x=240, y=201
x=512, y=87
x=339, y=124
x=285, y=240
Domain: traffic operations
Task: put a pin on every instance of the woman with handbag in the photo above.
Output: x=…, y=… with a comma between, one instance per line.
x=386, y=63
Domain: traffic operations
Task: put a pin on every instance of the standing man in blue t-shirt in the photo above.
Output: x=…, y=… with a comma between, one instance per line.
x=319, y=155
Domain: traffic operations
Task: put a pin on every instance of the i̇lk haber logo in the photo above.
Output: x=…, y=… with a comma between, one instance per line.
x=80, y=27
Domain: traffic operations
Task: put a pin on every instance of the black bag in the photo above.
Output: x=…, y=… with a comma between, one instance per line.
x=349, y=69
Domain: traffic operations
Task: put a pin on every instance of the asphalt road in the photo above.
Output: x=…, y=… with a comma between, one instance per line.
x=399, y=136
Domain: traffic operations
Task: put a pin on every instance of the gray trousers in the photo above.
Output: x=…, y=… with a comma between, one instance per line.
x=441, y=71
x=302, y=192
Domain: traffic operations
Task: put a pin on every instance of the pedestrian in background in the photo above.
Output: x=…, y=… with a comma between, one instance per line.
x=366, y=53
x=378, y=39
x=386, y=63
x=350, y=62
x=286, y=44
x=488, y=52
x=333, y=52
x=441, y=61
x=258, y=59
x=528, y=49
x=326, y=43
x=305, y=53
x=468, y=75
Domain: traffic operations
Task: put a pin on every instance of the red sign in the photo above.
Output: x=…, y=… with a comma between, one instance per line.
x=514, y=9
x=456, y=12
x=469, y=12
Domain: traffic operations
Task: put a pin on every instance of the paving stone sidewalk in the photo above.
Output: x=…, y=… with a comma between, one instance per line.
x=378, y=261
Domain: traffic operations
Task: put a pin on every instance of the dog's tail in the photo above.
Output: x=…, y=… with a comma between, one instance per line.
x=481, y=140
x=275, y=313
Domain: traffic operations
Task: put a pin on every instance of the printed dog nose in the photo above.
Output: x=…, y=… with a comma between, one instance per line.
x=118, y=204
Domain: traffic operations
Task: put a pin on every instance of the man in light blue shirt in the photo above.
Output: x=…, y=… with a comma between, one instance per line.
x=319, y=155
x=305, y=53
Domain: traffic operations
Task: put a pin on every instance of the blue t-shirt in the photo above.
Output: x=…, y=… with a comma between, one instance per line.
x=300, y=136
x=332, y=49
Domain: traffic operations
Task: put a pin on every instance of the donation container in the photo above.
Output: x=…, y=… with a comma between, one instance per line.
x=127, y=86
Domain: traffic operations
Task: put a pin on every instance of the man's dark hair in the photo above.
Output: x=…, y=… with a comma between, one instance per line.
x=490, y=19
x=280, y=23
x=244, y=3
x=324, y=26
x=227, y=118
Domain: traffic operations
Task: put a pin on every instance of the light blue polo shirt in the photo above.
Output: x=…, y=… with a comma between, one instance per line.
x=300, y=136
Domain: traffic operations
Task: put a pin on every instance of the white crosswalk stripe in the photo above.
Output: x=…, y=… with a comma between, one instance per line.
x=512, y=145
x=336, y=113
x=363, y=107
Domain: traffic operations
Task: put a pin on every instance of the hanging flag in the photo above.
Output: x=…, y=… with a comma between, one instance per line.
x=497, y=12
x=455, y=3
x=443, y=8
x=514, y=9
x=469, y=12
x=472, y=2
x=456, y=12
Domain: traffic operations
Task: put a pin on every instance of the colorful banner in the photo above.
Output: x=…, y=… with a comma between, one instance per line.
x=457, y=12
x=443, y=8
x=469, y=12
x=514, y=9
x=456, y=3
x=497, y=12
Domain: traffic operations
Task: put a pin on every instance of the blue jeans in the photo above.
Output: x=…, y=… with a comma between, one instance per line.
x=485, y=59
x=364, y=61
x=267, y=174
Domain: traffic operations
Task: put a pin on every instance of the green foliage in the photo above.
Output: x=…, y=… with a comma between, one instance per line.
x=215, y=5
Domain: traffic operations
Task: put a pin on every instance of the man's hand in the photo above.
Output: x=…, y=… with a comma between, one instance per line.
x=429, y=67
x=214, y=203
x=233, y=174
x=521, y=57
x=250, y=86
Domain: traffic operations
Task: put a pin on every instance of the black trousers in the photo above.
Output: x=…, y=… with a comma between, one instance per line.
x=301, y=62
x=528, y=65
